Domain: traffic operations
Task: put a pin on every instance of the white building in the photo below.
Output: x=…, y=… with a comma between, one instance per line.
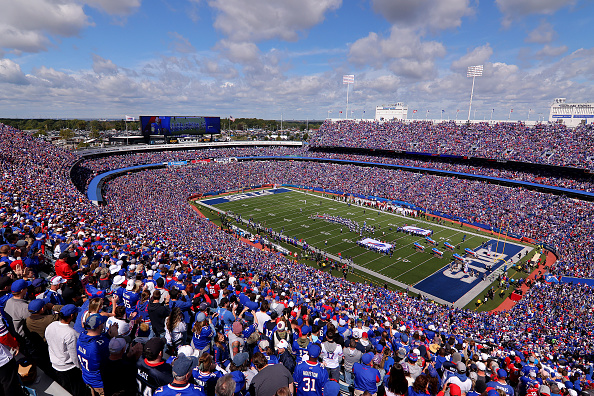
x=396, y=111
x=571, y=114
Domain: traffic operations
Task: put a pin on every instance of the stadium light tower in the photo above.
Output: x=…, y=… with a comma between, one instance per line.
x=474, y=72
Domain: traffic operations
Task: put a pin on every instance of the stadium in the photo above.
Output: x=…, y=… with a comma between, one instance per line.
x=430, y=245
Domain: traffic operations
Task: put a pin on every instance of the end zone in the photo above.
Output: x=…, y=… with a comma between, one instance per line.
x=456, y=285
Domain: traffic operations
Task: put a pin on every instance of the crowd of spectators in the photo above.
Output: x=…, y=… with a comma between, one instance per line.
x=90, y=168
x=550, y=143
x=150, y=297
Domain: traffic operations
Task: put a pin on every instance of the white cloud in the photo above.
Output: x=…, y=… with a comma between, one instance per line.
x=115, y=7
x=515, y=9
x=543, y=34
x=10, y=72
x=180, y=43
x=26, y=25
x=239, y=52
x=477, y=56
x=550, y=51
x=264, y=19
x=104, y=66
x=430, y=14
x=404, y=51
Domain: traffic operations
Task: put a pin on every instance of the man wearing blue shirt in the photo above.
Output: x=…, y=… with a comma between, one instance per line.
x=501, y=383
x=182, y=372
x=310, y=377
x=366, y=377
x=93, y=350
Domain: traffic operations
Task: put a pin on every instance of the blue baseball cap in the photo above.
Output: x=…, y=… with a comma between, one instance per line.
x=19, y=285
x=314, y=350
x=94, y=321
x=367, y=358
x=36, y=305
x=68, y=309
x=332, y=388
x=183, y=365
x=501, y=373
x=304, y=330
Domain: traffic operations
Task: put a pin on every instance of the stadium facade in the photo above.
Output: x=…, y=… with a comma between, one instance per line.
x=571, y=114
x=397, y=111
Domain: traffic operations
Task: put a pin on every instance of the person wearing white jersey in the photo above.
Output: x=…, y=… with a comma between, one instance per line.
x=332, y=355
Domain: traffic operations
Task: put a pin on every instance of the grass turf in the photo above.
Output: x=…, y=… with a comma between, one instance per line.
x=289, y=212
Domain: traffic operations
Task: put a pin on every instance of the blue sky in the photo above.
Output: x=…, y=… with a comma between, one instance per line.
x=264, y=58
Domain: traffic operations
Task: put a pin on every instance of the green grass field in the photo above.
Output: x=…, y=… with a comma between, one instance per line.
x=289, y=212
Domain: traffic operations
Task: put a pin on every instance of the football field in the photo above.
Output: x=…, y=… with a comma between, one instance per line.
x=323, y=222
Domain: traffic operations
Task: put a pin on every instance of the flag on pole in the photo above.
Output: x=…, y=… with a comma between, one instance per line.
x=414, y=111
x=232, y=119
x=129, y=118
x=511, y=111
x=340, y=112
x=348, y=79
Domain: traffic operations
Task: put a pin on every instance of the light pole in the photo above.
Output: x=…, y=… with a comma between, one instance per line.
x=329, y=111
x=491, y=119
x=348, y=79
x=473, y=71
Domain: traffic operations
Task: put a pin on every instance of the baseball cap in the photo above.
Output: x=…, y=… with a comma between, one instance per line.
x=481, y=366
x=200, y=317
x=68, y=309
x=118, y=279
x=305, y=330
x=154, y=345
x=36, y=305
x=183, y=364
x=455, y=390
x=263, y=345
x=130, y=285
x=544, y=390
x=501, y=373
x=401, y=353
x=461, y=367
x=314, y=350
x=114, y=268
x=57, y=280
x=149, y=273
x=366, y=359
x=413, y=357
x=116, y=345
x=332, y=388
x=240, y=358
x=282, y=344
x=94, y=321
x=19, y=285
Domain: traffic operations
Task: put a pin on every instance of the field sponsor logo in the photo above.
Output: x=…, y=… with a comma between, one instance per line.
x=239, y=197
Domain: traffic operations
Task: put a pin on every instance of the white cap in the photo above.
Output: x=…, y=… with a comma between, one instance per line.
x=57, y=280
x=481, y=366
x=130, y=285
x=120, y=263
x=118, y=280
x=282, y=344
x=150, y=273
x=114, y=268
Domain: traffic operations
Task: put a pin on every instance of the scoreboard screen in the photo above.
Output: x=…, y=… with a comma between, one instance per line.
x=179, y=125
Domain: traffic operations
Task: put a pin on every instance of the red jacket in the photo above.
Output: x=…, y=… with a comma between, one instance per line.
x=63, y=269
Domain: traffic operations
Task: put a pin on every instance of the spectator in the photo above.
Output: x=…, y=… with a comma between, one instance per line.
x=152, y=371
x=270, y=378
x=93, y=352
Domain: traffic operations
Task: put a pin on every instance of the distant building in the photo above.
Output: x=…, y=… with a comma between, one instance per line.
x=571, y=114
x=396, y=111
